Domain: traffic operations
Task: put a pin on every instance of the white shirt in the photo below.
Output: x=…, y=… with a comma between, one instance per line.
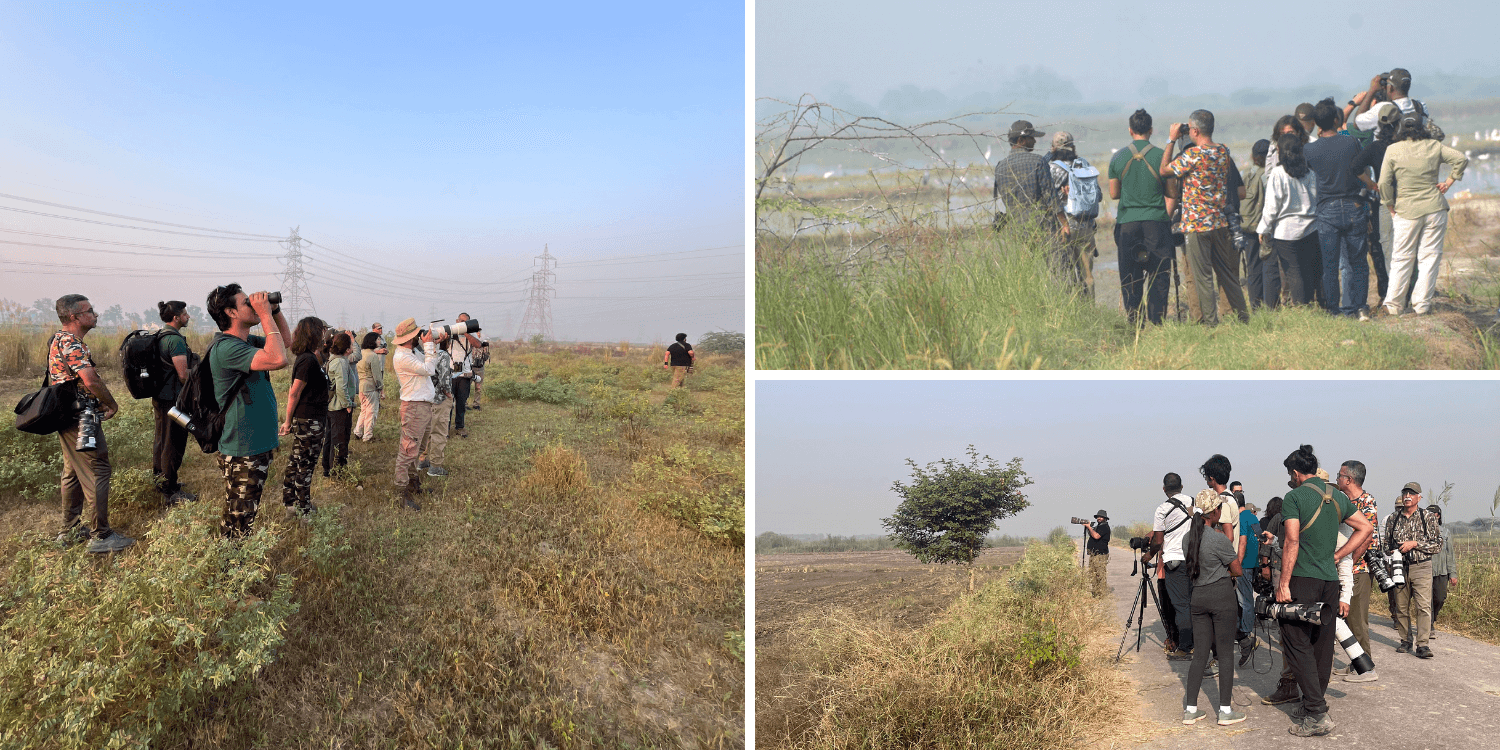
x=1167, y=516
x=415, y=372
x=1370, y=118
x=1291, y=205
x=462, y=354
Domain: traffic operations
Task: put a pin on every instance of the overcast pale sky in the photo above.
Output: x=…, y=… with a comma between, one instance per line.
x=447, y=141
x=1108, y=49
x=826, y=452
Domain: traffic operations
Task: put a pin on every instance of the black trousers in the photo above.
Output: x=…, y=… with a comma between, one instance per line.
x=1215, y=619
x=337, y=437
x=1166, y=610
x=1297, y=265
x=1181, y=589
x=1309, y=647
x=1144, y=250
x=1255, y=277
x=1377, y=253
x=1439, y=595
x=460, y=400
x=168, y=444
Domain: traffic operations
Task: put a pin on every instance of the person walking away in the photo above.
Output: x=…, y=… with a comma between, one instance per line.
x=1208, y=252
x=1097, y=549
x=1168, y=528
x=1443, y=571
x=1410, y=188
x=169, y=440
x=341, y=399
x=240, y=365
x=1212, y=564
x=85, y=473
x=306, y=415
x=1309, y=575
x=1143, y=232
x=1026, y=201
x=1080, y=207
x=1414, y=534
x=1250, y=211
x=371, y=369
x=1342, y=225
x=1350, y=481
x=435, y=439
x=414, y=372
x=1287, y=223
x=679, y=358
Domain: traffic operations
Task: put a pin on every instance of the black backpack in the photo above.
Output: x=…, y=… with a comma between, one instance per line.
x=146, y=371
x=196, y=400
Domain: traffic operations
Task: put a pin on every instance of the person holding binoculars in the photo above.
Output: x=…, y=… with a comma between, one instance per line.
x=240, y=365
x=414, y=371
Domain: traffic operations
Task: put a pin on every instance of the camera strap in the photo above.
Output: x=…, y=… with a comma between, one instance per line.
x=1185, y=512
x=1137, y=156
x=1327, y=496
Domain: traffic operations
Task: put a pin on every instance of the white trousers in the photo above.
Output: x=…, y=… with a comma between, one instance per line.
x=1419, y=243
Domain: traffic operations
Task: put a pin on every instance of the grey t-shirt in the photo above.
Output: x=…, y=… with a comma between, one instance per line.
x=1215, y=553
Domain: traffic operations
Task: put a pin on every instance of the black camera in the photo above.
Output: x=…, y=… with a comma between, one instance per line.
x=88, y=427
x=1380, y=568
x=1267, y=608
x=1140, y=542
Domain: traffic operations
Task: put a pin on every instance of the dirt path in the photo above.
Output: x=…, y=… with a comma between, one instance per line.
x=1451, y=701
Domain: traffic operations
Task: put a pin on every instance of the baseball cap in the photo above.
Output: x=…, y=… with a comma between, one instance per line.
x=1062, y=139
x=1304, y=111
x=1412, y=487
x=1207, y=500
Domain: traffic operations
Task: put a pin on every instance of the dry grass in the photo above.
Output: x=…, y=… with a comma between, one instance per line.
x=1023, y=663
x=532, y=602
x=1473, y=608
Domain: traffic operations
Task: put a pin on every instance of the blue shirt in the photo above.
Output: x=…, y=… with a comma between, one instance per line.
x=1250, y=527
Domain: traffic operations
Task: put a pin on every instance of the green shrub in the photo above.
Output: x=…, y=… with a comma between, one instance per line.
x=132, y=486
x=29, y=464
x=609, y=402
x=682, y=402
x=704, y=489
x=722, y=342
x=106, y=653
x=548, y=390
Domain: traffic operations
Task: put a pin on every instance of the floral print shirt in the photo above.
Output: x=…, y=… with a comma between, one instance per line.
x=65, y=357
x=1366, y=505
x=1205, y=174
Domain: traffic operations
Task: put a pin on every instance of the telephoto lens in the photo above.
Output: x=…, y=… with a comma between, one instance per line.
x=1398, y=568
x=459, y=329
x=88, y=428
x=1381, y=569
x=1358, y=659
x=1076, y=519
x=1268, y=608
x=182, y=418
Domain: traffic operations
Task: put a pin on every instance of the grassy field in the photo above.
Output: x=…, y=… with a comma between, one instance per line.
x=577, y=582
x=1023, y=662
x=1473, y=607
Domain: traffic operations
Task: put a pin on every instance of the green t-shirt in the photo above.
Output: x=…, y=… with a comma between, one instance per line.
x=1316, y=543
x=171, y=345
x=250, y=426
x=1141, y=198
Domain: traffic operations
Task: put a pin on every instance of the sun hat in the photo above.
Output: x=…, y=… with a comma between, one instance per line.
x=406, y=330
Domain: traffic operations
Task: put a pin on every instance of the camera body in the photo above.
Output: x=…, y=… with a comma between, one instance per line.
x=1140, y=542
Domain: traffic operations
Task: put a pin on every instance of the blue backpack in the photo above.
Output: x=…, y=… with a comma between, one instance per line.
x=1083, y=189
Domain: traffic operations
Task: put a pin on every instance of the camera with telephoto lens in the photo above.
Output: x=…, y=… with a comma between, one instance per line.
x=185, y=420
x=1380, y=568
x=458, y=329
x=1140, y=542
x=1083, y=521
x=1267, y=608
x=88, y=427
x=1398, y=568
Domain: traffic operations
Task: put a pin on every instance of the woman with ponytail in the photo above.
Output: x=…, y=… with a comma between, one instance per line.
x=1213, y=566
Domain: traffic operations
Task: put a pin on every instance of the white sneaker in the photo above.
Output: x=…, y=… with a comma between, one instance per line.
x=1364, y=315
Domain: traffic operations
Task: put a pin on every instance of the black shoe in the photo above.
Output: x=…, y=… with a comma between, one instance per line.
x=76, y=534
x=1247, y=648
x=1424, y=652
x=1286, y=692
x=1404, y=648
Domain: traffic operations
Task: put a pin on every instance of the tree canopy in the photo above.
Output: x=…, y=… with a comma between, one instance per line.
x=949, y=507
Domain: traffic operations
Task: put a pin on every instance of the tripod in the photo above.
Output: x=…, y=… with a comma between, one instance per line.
x=1138, y=607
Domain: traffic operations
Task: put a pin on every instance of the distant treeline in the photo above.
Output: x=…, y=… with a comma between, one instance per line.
x=772, y=543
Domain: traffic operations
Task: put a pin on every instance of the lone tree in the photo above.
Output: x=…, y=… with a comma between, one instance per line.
x=949, y=507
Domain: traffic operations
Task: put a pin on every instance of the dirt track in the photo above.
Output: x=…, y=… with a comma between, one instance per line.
x=1450, y=701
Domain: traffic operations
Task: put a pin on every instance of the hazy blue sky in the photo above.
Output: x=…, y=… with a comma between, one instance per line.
x=451, y=139
x=1108, y=49
x=826, y=452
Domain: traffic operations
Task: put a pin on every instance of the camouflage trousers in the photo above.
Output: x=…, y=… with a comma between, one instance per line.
x=244, y=481
x=307, y=446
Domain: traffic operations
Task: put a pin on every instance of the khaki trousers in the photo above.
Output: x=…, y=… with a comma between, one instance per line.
x=415, y=416
x=1419, y=244
x=679, y=376
x=369, y=411
x=1414, y=602
x=1359, y=609
x=1099, y=574
x=435, y=440
x=1207, y=255
x=85, y=476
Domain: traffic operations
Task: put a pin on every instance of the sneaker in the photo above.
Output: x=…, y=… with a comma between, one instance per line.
x=1212, y=670
x=112, y=543
x=1364, y=315
x=1369, y=676
x=463, y=433
x=301, y=513
x=1232, y=717
x=1424, y=652
x=1247, y=648
x=73, y=535
x=1313, y=726
x=1180, y=655
x=1192, y=717
x=1404, y=648
x=437, y=471
x=476, y=407
x=182, y=496
x=424, y=464
x=1286, y=692
x=1432, y=636
x=1341, y=671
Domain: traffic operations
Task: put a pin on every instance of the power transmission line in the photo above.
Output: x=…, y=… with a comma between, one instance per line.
x=134, y=218
x=295, y=297
x=538, y=319
x=127, y=226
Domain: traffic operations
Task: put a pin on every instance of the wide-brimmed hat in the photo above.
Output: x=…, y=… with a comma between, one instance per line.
x=406, y=330
x=1023, y=129
x=1102, y=514
x=1413, y=486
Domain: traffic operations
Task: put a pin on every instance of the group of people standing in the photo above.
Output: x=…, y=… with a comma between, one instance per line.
x=1309, y=549
x=1333, y=188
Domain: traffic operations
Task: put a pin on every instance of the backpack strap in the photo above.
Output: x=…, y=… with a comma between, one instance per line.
x=1185, y=512
x=1137, y=156
x=1327, y=496
x=234, y=390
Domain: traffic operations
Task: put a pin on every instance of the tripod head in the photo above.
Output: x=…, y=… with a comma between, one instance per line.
x=1137, y=564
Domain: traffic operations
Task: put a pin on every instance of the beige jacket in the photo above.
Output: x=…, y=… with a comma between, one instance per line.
x=1409, y=177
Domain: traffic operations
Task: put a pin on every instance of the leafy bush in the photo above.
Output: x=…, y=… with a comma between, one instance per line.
x=681, y=401
x=548, y=390
x=107, y=653
x=29, y=464
x=721, y=342
x=704, y=489
x=608, y=402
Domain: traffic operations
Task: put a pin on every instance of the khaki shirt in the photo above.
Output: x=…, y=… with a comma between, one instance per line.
x=1255, y=195
x=1409, y=177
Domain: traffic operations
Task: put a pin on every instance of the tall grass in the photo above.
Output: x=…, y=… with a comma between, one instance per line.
x=1016, y=665
x=1474, y=606
x=973, y=299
